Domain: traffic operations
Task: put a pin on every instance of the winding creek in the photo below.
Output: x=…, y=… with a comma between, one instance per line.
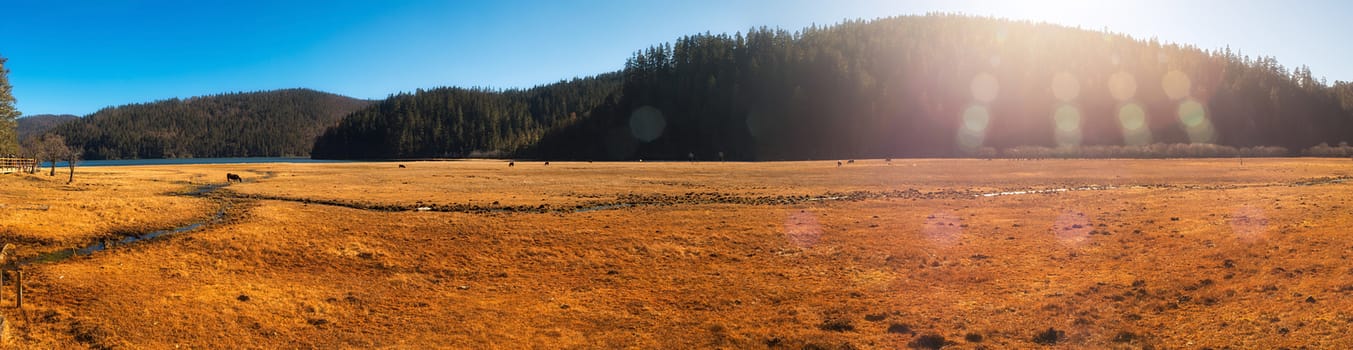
x=222, y=197
x=201, y=191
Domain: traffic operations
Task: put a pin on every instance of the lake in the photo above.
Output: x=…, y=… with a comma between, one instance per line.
x=181, y=161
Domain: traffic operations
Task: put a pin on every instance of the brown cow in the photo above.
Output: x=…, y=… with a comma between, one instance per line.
x=233, y=177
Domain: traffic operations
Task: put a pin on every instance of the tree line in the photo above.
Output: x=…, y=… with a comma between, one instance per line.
x=459, y=122
x=248, y=124
x=30, y=126
x=933, y=85
x=909, y=86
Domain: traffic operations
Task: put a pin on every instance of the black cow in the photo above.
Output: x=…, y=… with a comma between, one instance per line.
x=233, y=177
x=401, y=166
x=511, y=163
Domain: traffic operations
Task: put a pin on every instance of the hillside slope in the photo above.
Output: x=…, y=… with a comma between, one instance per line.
x=252, y=124
x=456, y=122
x=947, y=86
x=34, y=125
x=918, y=86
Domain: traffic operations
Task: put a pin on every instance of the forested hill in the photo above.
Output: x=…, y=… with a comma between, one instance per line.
x=456, y=122
x=34, y=125
x=250, y=124
x=935, y=85
x=945, y=85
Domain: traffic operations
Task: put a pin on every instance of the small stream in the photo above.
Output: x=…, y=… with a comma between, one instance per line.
x=1328, y=180
x=105, y=244
x=1051, y=190
x=603, y=207
x=203, y=190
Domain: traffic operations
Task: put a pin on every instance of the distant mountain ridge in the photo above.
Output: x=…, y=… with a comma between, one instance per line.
x=274, y=123
x=38, y=124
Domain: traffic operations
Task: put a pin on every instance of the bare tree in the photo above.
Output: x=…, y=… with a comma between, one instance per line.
x=53, y=148
x=72, y=157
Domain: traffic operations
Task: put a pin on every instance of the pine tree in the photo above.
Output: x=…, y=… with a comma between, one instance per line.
x=9, y=115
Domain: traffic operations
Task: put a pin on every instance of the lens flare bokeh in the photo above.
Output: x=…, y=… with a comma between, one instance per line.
x=1068, y=125
x=943, y=228
x=1072, y=228
x=975, y=118
x=647, y=123
x=1122, y=86
x=755, y=123
x=1249, y=224
x=984, y=88
x=973, y=130
x=1132, y=119
x=1065, y=87
x=1193, y=115
x=802, y=229
x=1176, y=85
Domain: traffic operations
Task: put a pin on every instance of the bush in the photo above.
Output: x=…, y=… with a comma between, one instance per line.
x=1325, y=150
x=1159, y=150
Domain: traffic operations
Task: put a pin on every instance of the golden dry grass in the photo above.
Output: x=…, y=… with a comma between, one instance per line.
x=42, y=213
x=1211, y=254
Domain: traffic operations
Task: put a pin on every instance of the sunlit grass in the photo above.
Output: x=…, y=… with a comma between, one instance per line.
x=1207, y=251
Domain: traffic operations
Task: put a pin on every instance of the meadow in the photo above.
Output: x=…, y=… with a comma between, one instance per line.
x=908, y=253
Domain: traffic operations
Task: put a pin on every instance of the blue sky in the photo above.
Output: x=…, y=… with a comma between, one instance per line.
x=78, y=56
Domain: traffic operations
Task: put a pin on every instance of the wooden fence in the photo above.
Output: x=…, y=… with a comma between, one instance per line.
x=11, y=164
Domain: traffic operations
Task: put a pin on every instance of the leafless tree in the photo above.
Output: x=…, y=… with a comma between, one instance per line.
x=72, y=157
x=53, y=148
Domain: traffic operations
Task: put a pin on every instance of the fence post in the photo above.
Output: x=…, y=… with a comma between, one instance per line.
x=18, y=288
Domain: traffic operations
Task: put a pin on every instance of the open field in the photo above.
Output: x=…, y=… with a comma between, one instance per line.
x=792, y=255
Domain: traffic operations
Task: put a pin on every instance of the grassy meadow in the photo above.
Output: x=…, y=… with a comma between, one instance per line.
x=782, y=255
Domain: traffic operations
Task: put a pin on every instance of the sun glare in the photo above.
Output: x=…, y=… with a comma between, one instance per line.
x=1065, y=87
x=984, y=87
x=1068, y=121
x=1176, y=85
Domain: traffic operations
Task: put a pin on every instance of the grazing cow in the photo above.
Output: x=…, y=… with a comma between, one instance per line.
x=838, y=164
x=511, y=163
x=401, y=166
x=852, y=161
x=233, y=177
x=547, y=163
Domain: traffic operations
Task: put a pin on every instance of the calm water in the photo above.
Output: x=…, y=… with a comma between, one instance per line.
x=180, y=161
